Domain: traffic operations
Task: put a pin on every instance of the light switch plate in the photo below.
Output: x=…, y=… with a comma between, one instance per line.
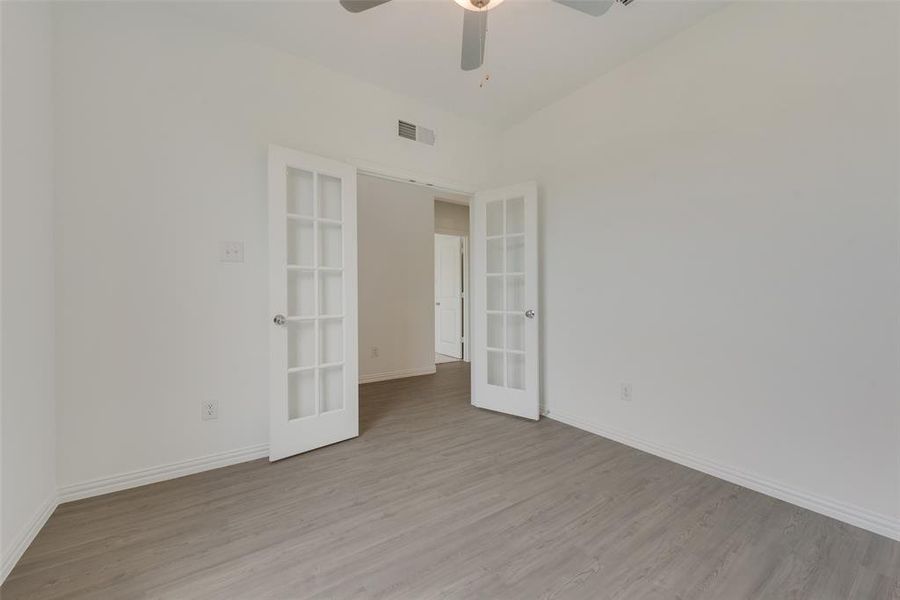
x=209, y=410
x=232, y=252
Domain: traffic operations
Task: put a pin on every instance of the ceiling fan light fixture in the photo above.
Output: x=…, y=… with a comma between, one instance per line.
x=478, y=5
x=475, y=22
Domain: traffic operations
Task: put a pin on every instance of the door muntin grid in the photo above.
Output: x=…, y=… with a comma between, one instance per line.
x=315, y=300
x=505, y=292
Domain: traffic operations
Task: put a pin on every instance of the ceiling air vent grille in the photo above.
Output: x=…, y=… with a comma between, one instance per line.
x=415, y=133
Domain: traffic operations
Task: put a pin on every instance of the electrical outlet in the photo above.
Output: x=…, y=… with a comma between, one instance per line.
x=374, y=352
x=625, y=392
x=209, y=410
x=232, y=252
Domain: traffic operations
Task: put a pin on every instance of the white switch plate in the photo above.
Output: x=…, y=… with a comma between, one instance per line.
x=232, y=252
x=209, y=410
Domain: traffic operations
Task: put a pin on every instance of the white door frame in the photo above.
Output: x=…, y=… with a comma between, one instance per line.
x=467, y=305
x=365, y=167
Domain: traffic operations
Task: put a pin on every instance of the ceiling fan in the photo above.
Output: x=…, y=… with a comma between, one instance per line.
x=475, y=21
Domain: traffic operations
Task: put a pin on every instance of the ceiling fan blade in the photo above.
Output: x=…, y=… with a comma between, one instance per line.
x=356, y=6
x=595, y=8
x=474, y=32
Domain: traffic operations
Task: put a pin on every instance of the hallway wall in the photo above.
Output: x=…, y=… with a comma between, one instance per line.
x=451, y=218
x=396, y=279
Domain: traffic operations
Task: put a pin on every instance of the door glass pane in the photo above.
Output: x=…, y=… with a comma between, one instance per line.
x=331, y=340
x=495, y=292
x=515, y=370
x=515, y=292
x=330, y=251
x=329, y=197
x=331, y=293
x=300, y=243
x=301, y=394
x=515, y=215
x=301, y=344
x=495, y=331
x=495, y=218
x=495, y=367
x=299, y=192
x=515, y=332
x=301, y=293
x=495, y=256
x=515, y=254
x=332, y=382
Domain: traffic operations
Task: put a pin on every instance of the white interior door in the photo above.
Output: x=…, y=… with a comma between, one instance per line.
x=448, y=295
x=505, y=343
x=312, y=299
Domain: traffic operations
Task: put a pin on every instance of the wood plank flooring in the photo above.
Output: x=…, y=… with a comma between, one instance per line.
x=437, y=499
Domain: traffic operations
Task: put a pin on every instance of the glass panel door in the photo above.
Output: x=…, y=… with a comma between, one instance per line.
x=313, y=295
x=504, y=255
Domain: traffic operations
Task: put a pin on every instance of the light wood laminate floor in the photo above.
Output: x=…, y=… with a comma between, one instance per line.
x=440, y=499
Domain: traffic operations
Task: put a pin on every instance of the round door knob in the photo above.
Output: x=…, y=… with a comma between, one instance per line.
x=280, y=320
x=529, y=313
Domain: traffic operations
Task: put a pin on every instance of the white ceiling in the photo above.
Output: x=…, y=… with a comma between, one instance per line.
x=537, y=51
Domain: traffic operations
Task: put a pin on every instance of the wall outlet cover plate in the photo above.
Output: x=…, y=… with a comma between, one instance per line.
x=232, y=252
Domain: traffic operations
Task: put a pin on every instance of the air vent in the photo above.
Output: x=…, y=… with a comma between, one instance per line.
x=415, y=133
x=406, y=130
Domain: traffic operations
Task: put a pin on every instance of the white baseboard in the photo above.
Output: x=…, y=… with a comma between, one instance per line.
x=123, y=481
x=387, y=375
x=854, y=515
x=27, y=535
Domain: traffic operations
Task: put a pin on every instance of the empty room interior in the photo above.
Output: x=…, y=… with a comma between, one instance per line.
x=490, y=299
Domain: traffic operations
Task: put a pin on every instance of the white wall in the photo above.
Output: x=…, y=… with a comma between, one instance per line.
x=451, y=218
x=720, y=229
x=396, y=278
x=162, y=130
x=27, y=391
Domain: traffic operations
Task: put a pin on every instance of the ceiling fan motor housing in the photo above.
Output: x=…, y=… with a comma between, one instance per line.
x=478, y=5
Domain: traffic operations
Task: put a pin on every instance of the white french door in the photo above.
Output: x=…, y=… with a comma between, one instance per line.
x=505, y=339
x=313, y=303
x=448, y=274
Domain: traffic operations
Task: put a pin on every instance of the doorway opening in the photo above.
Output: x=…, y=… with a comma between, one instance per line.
x=412, y=269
